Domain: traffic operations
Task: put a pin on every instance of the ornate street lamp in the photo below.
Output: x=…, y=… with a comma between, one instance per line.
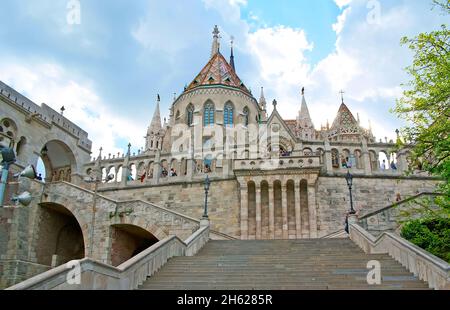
x=207, y=183
x=349, y=179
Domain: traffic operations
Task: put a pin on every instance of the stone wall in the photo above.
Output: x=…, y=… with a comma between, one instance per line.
x=188, y=199
x=369, y=194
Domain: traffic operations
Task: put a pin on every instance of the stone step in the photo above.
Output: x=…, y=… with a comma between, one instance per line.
x=280, y=264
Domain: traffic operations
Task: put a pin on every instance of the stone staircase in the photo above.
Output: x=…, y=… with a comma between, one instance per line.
x=279, y=265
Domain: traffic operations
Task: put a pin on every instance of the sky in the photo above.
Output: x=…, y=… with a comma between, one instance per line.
x=107, y=61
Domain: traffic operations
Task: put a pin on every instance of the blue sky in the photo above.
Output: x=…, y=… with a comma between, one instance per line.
x=108, y=69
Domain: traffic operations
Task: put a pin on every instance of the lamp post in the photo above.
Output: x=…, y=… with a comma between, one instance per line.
x=207, y=183
x=349, y=179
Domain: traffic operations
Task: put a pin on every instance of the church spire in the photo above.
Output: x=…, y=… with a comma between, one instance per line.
x=216, y=44
x=262, y=100
x=232, y=56
x=155, y=125
x=303, y=116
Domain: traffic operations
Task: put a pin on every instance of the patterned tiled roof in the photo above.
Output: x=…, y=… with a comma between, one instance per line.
x=218, y=72
x=345, y=122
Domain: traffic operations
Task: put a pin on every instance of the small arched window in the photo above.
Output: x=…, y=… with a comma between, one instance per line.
x=228, y=115
x=246, y=116
x=190, y=114
x=208, y=114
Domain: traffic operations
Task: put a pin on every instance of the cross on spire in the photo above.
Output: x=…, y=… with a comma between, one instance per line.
x=342, y=96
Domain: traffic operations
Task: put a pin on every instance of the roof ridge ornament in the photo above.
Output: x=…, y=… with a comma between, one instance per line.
x=216, y=44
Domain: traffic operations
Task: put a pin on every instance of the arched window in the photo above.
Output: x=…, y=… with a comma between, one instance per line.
x=190, y=114
x=177, y=116
x=246, y=116
x=208, y=114
x=228, y=115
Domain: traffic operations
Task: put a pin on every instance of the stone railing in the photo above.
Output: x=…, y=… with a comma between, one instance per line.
x=389, y=218
x=278, y=163
x=127, y=276
x=422, y=264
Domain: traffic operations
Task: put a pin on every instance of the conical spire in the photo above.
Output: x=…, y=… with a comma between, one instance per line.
x=262, y=100
x=216, y=44
x=155, y=125
x=232, y=56
x=304, y=119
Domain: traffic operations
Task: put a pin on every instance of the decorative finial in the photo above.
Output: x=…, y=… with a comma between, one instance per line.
x=129, y=148
x=232, y=55
x=274, y=103
x=62, y=110
x=397, y=132
x=216, y=45
x=342, y=96
x=303, y=91
x=174, y=96
x=158, y=98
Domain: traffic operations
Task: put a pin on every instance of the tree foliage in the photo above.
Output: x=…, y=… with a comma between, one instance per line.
x=431, y=234
x=425, y=103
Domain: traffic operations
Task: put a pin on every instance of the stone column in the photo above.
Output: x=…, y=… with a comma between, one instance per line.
x=244, y=211
x=284, y=211
x=189, y=169
x=327, y=157
x=298, y=219
x=312, y=211
x=366, y=158
x=271, y=212
x=258, y=210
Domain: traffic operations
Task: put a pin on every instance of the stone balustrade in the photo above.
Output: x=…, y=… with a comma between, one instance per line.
x=278, y=163
x=127, y=276
x=422, y=264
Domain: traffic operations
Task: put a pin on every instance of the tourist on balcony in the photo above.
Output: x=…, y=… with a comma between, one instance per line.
x=393, y=165
x=383, y=165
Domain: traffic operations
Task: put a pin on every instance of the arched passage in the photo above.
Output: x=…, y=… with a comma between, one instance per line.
x=59, y=236
x=304, y=211
x=127, y=241
x=58, y=160
x=251, y=210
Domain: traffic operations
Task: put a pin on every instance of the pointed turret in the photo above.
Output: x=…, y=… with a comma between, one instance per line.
x=155, y=132
x=262, y=100
x=232, y=56
x=304, y=123
x=155, y=125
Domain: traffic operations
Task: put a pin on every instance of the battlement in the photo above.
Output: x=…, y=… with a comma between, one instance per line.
x=45, y=114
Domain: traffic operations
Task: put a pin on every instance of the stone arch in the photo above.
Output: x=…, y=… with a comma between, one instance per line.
x=128, y=240
x=373, y=160
x=61, y=236
x=383, y=160
x=190, y=114
x=358, y=159
x=8, y=132
x=307, y=151
x=119, y=173
x=320, y=152
x=335, y=158
x=58, y=158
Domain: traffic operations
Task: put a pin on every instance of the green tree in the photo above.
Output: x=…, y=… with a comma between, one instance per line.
x=425, y=103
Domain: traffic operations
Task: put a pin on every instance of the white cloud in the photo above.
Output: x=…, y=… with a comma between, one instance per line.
x=341, y=21
x=50, y=83
x=342, y=3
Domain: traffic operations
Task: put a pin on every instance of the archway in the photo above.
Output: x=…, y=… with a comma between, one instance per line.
x=59, y=236
x=251, y=210
x=58, y=160
x=304, y=211
x=127, y=241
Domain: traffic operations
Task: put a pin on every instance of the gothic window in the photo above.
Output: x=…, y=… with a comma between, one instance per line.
x=208, y=114
x=228, y=115
x=335, y=158
x=246, y=116
x=190, y=114
x=177, y=116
